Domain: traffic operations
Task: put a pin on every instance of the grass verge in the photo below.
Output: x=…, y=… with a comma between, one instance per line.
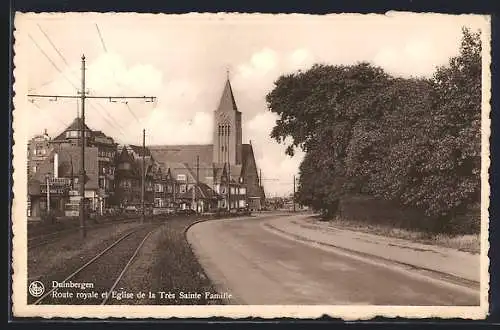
x=177, y=269
x=167, y=270
x=465, y=243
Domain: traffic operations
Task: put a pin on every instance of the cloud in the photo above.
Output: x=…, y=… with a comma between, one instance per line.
x=417, y=57
x=278, y=169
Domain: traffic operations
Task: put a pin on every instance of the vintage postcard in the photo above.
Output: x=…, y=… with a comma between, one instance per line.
x=251, y=165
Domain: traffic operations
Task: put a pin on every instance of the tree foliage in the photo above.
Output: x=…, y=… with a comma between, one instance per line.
x=416, y=141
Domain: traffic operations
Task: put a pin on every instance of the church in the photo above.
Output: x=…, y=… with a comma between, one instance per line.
x=227, y=158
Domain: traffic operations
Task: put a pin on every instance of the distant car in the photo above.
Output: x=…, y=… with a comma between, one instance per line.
x=131, y=209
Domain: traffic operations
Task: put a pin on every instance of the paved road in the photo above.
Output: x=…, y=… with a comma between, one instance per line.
x=259, y=267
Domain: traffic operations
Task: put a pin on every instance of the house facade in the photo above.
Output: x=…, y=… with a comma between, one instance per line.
x=38, y=150
x=106, y=153
x=55, y=186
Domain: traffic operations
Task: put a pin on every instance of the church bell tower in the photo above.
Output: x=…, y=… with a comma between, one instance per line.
x=227, y=130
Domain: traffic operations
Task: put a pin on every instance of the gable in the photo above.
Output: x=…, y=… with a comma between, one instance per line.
x=249, y=171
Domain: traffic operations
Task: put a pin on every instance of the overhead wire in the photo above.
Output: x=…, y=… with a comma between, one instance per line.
x=114, y=73
x=62, y=122
x=111, y=121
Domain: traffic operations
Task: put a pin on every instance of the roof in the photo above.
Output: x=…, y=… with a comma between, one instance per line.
x=75, y=125
x=181, y=159
x=201, y=191
x=248, y=164
x=227, y=101
x=124, y=156
x=177, y=168
x=139, y=150
x=183, y=153
x=69, y=159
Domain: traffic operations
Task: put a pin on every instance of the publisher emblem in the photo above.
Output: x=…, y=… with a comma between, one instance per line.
x=36, y=289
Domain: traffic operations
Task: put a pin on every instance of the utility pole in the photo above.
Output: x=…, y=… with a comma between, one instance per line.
x=293, y=193
x=197, y=180
x=83, y=96
x=81, y=214
x=229, y=168
x=143, y=173
x=48, y=194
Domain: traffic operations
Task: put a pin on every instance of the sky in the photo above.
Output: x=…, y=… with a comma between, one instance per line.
x=184, y=60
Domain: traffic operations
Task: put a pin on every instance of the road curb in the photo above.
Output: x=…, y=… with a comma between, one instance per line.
x=471, y=284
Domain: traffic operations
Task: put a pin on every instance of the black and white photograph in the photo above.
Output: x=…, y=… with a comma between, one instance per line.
x=250, y=165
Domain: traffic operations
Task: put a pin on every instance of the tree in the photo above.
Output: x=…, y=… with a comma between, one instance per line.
x=318, y=110
x=416, y=141
x=449, y=176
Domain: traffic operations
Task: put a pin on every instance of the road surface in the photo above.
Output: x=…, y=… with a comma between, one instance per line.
x=260, y=267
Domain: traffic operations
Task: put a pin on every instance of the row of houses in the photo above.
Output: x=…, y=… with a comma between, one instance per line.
x=220, y=175
x=114, y=178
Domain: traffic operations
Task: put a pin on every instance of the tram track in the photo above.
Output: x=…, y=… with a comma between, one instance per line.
x=45, y=239
x=97, y=279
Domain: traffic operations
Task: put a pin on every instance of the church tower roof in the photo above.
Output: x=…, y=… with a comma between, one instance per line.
x=227, y=101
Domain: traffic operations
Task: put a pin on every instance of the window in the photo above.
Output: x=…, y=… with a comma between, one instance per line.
x=72, y=134
x=182, y=188
x=243, y=190
x=223, y=190
x=169, y=188
x=158, y=202
x=232, y=191
x=39, y=150
x=34, y=169
x=158, y=187
x=125, y=184
x=181, y=177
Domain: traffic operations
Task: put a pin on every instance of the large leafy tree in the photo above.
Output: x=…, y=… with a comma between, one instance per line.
x=412, y=140
x=450, y=175
x=318, y=110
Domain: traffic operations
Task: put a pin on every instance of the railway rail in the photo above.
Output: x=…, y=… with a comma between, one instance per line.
x=105, y=270
x=44, y=239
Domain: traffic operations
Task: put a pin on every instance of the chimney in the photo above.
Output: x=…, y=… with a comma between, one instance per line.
x=56, y=165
